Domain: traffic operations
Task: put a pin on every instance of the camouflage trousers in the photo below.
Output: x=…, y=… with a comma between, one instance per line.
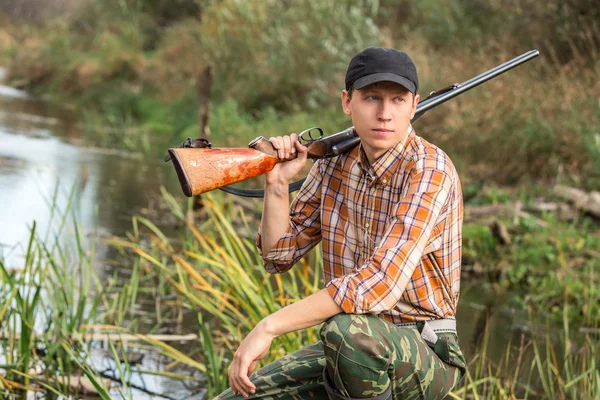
x=362, y=356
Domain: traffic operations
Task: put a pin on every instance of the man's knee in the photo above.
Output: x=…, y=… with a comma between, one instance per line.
x=357, y=358
x=334, y=329
x=355, y=337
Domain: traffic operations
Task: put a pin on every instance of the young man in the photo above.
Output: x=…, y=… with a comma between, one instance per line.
x=389, y=214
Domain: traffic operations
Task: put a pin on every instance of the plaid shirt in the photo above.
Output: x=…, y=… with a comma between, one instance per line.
x=391, y=232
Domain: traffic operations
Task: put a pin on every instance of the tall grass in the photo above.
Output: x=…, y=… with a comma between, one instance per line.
x=44, y=305
x=548, y=365
x=48, y=304
x=216, y=271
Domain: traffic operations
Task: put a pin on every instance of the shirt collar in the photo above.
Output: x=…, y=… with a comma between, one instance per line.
x=387, y=165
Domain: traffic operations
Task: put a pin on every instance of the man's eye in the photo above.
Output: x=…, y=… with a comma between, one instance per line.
x=399, y=99
x=372, y=97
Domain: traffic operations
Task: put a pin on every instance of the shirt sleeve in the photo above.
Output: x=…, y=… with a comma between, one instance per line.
x=376, y=286
x=304, y=230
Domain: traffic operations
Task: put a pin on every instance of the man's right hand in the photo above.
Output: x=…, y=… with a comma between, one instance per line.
x=287, y=146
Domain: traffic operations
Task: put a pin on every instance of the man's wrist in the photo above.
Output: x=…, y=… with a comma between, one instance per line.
x=279, y=189
x=267, y=327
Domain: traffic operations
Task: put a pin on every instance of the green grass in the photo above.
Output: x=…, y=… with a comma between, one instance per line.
x=215, y=270
x=54, y=298
x=44, y=304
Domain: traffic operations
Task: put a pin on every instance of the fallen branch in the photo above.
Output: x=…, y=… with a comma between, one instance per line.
x=126, y=337
x=122, y=337
x=588, y=202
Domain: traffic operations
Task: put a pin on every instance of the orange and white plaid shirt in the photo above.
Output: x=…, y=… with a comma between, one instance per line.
x=391, y=231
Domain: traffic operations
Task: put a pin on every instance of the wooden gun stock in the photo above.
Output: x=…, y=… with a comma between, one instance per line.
x=202, y=169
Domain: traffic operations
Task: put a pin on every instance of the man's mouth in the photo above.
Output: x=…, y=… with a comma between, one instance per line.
x=382, y=130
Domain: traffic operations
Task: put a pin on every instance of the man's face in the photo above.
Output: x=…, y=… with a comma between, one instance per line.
x=381, y=114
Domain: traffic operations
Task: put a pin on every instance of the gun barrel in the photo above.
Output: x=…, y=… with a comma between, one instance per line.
x=474, y=82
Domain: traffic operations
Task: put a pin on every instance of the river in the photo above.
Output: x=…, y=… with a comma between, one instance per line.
x=43, y=159
x=42, y=151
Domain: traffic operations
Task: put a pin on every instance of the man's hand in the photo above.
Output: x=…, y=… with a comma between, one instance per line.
x=287, y=146
x=253, y=348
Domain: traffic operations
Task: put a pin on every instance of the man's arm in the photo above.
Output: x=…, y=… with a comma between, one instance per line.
x=287, y=232
x=305, y=313
x=275, y=218
x=302, y=314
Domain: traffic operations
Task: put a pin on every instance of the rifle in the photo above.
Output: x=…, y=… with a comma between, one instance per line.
x=201, y=168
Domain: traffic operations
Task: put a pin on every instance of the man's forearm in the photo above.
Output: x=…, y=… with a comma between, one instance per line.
x=305, y=313
x=275, y=217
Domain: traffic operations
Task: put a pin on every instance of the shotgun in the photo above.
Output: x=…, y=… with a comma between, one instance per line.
x=201, y=168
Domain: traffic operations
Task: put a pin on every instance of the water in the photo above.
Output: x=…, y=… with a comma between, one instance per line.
x=41, y=151
x=44, y=163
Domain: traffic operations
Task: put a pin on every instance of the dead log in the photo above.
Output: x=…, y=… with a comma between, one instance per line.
x=122, y=337
x=473, y=213
x=587, y=202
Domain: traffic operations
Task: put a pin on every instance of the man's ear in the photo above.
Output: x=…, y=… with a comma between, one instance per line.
x=346, y=103
x=416, y=99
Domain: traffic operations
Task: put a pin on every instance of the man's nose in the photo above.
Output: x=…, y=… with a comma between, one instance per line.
x=384, y=111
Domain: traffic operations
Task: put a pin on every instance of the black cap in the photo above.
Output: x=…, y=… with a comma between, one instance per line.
x=377, y=64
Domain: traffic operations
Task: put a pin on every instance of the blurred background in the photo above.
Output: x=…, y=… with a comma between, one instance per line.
x=138, y=67
x=93, y=92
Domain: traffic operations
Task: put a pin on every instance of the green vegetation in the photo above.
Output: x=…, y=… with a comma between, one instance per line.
x=214, y=273
x=53, y=295
x=131, y=69
x=550, y=260
x=49, y=305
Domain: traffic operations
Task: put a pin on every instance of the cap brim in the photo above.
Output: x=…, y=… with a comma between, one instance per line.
x=384, y=77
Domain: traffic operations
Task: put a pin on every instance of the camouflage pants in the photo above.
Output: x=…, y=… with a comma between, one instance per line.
x=365, y=357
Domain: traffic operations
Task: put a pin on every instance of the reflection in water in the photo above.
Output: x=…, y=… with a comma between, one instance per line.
x=37, y=161
x=43, y=174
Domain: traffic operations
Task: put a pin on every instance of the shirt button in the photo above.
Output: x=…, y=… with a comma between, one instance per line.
x=367, y=225
x=384, y=180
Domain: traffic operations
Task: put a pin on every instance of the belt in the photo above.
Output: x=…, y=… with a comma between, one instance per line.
x=428, y=329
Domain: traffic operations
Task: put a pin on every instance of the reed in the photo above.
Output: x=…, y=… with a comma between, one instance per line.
x=43, y=305
x=48, y=304
x=218, y=272
x=543, y=366
x=215, y=270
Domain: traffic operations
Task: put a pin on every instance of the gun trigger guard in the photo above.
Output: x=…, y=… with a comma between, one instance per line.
x=309, y=132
